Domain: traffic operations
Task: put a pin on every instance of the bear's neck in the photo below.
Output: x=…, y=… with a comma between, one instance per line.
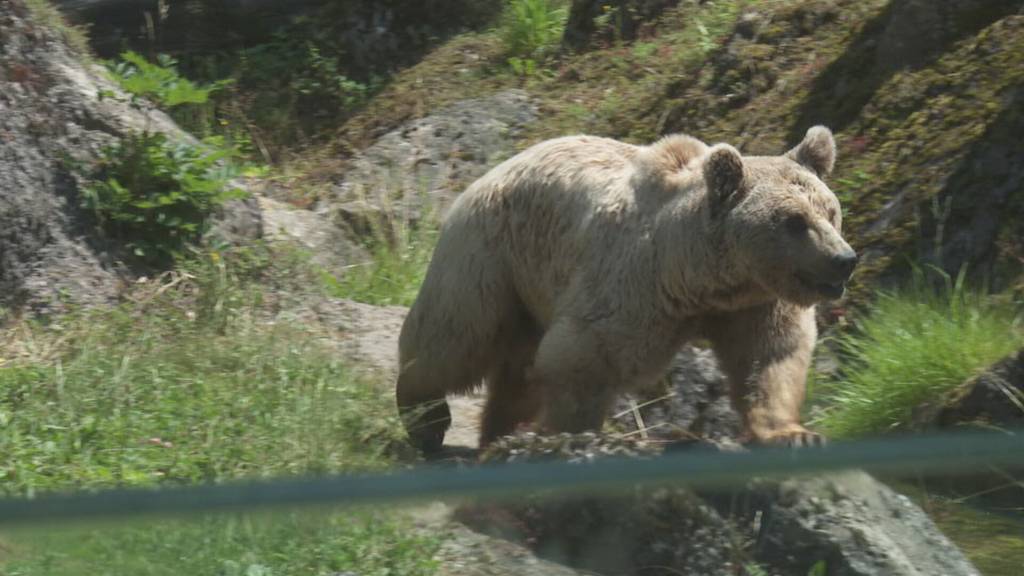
x=700, y=271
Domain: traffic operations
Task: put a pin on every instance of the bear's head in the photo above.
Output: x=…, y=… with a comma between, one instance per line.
x=779, y=219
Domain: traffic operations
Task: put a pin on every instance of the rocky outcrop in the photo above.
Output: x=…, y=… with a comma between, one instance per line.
x=425, y=163
x=925, y=98
x=853, y=524
x=993, y=398
x=846, y=524
x=691, y=401
x=52, y=119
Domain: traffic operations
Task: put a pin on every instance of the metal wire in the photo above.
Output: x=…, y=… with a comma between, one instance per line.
x=948, y=453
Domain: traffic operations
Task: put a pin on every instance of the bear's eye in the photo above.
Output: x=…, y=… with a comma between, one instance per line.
x=796, y=224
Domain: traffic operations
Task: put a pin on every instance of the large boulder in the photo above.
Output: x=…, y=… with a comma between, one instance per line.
x=849, y=523
x=422, y=165
x=51, y=119
x=853, y=524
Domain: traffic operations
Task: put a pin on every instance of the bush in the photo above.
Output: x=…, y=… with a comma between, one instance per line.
x=529, y=28
x=916, y=345
x=292, y=88
x=157, y=196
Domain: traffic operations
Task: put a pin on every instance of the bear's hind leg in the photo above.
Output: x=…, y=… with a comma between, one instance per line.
x=511, y=400
x=452, y=336
x=423, y=410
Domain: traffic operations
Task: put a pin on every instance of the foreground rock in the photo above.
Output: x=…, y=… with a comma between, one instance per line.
x=993, y=399
x=849, y=523
x=690, y=402
x=854, y=524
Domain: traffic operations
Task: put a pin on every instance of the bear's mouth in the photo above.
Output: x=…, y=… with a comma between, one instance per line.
x=831, y=290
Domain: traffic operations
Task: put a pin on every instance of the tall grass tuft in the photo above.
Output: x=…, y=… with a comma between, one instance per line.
x=916, y=345
x=530, y=27
x=400, y=250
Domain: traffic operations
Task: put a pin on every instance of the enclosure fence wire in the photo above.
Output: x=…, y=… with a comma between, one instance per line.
x=946, y=453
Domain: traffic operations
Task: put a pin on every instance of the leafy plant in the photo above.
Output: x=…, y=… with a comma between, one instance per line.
x=530, y=27
x=916, y=345
x=156, y=195
x=523, y=66
x=322, y=79
x=160, y=82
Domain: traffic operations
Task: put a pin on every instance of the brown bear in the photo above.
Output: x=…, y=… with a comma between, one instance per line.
x=577, y=269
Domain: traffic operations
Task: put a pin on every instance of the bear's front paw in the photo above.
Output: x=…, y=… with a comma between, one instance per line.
x=803, y=438
x=796, y=437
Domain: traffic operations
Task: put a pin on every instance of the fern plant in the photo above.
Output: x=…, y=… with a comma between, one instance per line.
x=529, y=28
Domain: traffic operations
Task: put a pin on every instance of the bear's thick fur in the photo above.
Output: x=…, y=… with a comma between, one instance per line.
x=577, y=269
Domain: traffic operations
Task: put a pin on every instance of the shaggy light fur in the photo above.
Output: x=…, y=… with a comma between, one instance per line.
x=577, y=269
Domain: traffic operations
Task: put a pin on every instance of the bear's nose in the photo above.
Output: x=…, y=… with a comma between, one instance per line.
x=845, y=262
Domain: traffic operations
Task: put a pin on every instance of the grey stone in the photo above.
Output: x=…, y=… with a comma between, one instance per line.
x=421, y=166
x=857, y=526
x=691, y=401
x=327, y=245
x=52, y=119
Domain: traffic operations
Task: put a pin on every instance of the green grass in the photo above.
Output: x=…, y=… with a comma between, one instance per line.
x=400, y=253
x=189, y=382
x=915, y=345
x=167, y=401
x=282, y=544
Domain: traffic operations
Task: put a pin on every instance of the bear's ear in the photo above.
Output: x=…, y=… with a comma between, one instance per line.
x=723, y=173
x=817, y=152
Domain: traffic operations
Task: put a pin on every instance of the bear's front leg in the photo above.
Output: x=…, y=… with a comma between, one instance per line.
x=574, y=377
x=766, y=352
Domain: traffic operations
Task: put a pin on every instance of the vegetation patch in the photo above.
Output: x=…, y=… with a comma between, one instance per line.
x=156, y=196
x=191, y=381
x=281, y=544
x=915, y=346
x=186, y=385
x=400, y=253
x=48, y=15
x=530, y=29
